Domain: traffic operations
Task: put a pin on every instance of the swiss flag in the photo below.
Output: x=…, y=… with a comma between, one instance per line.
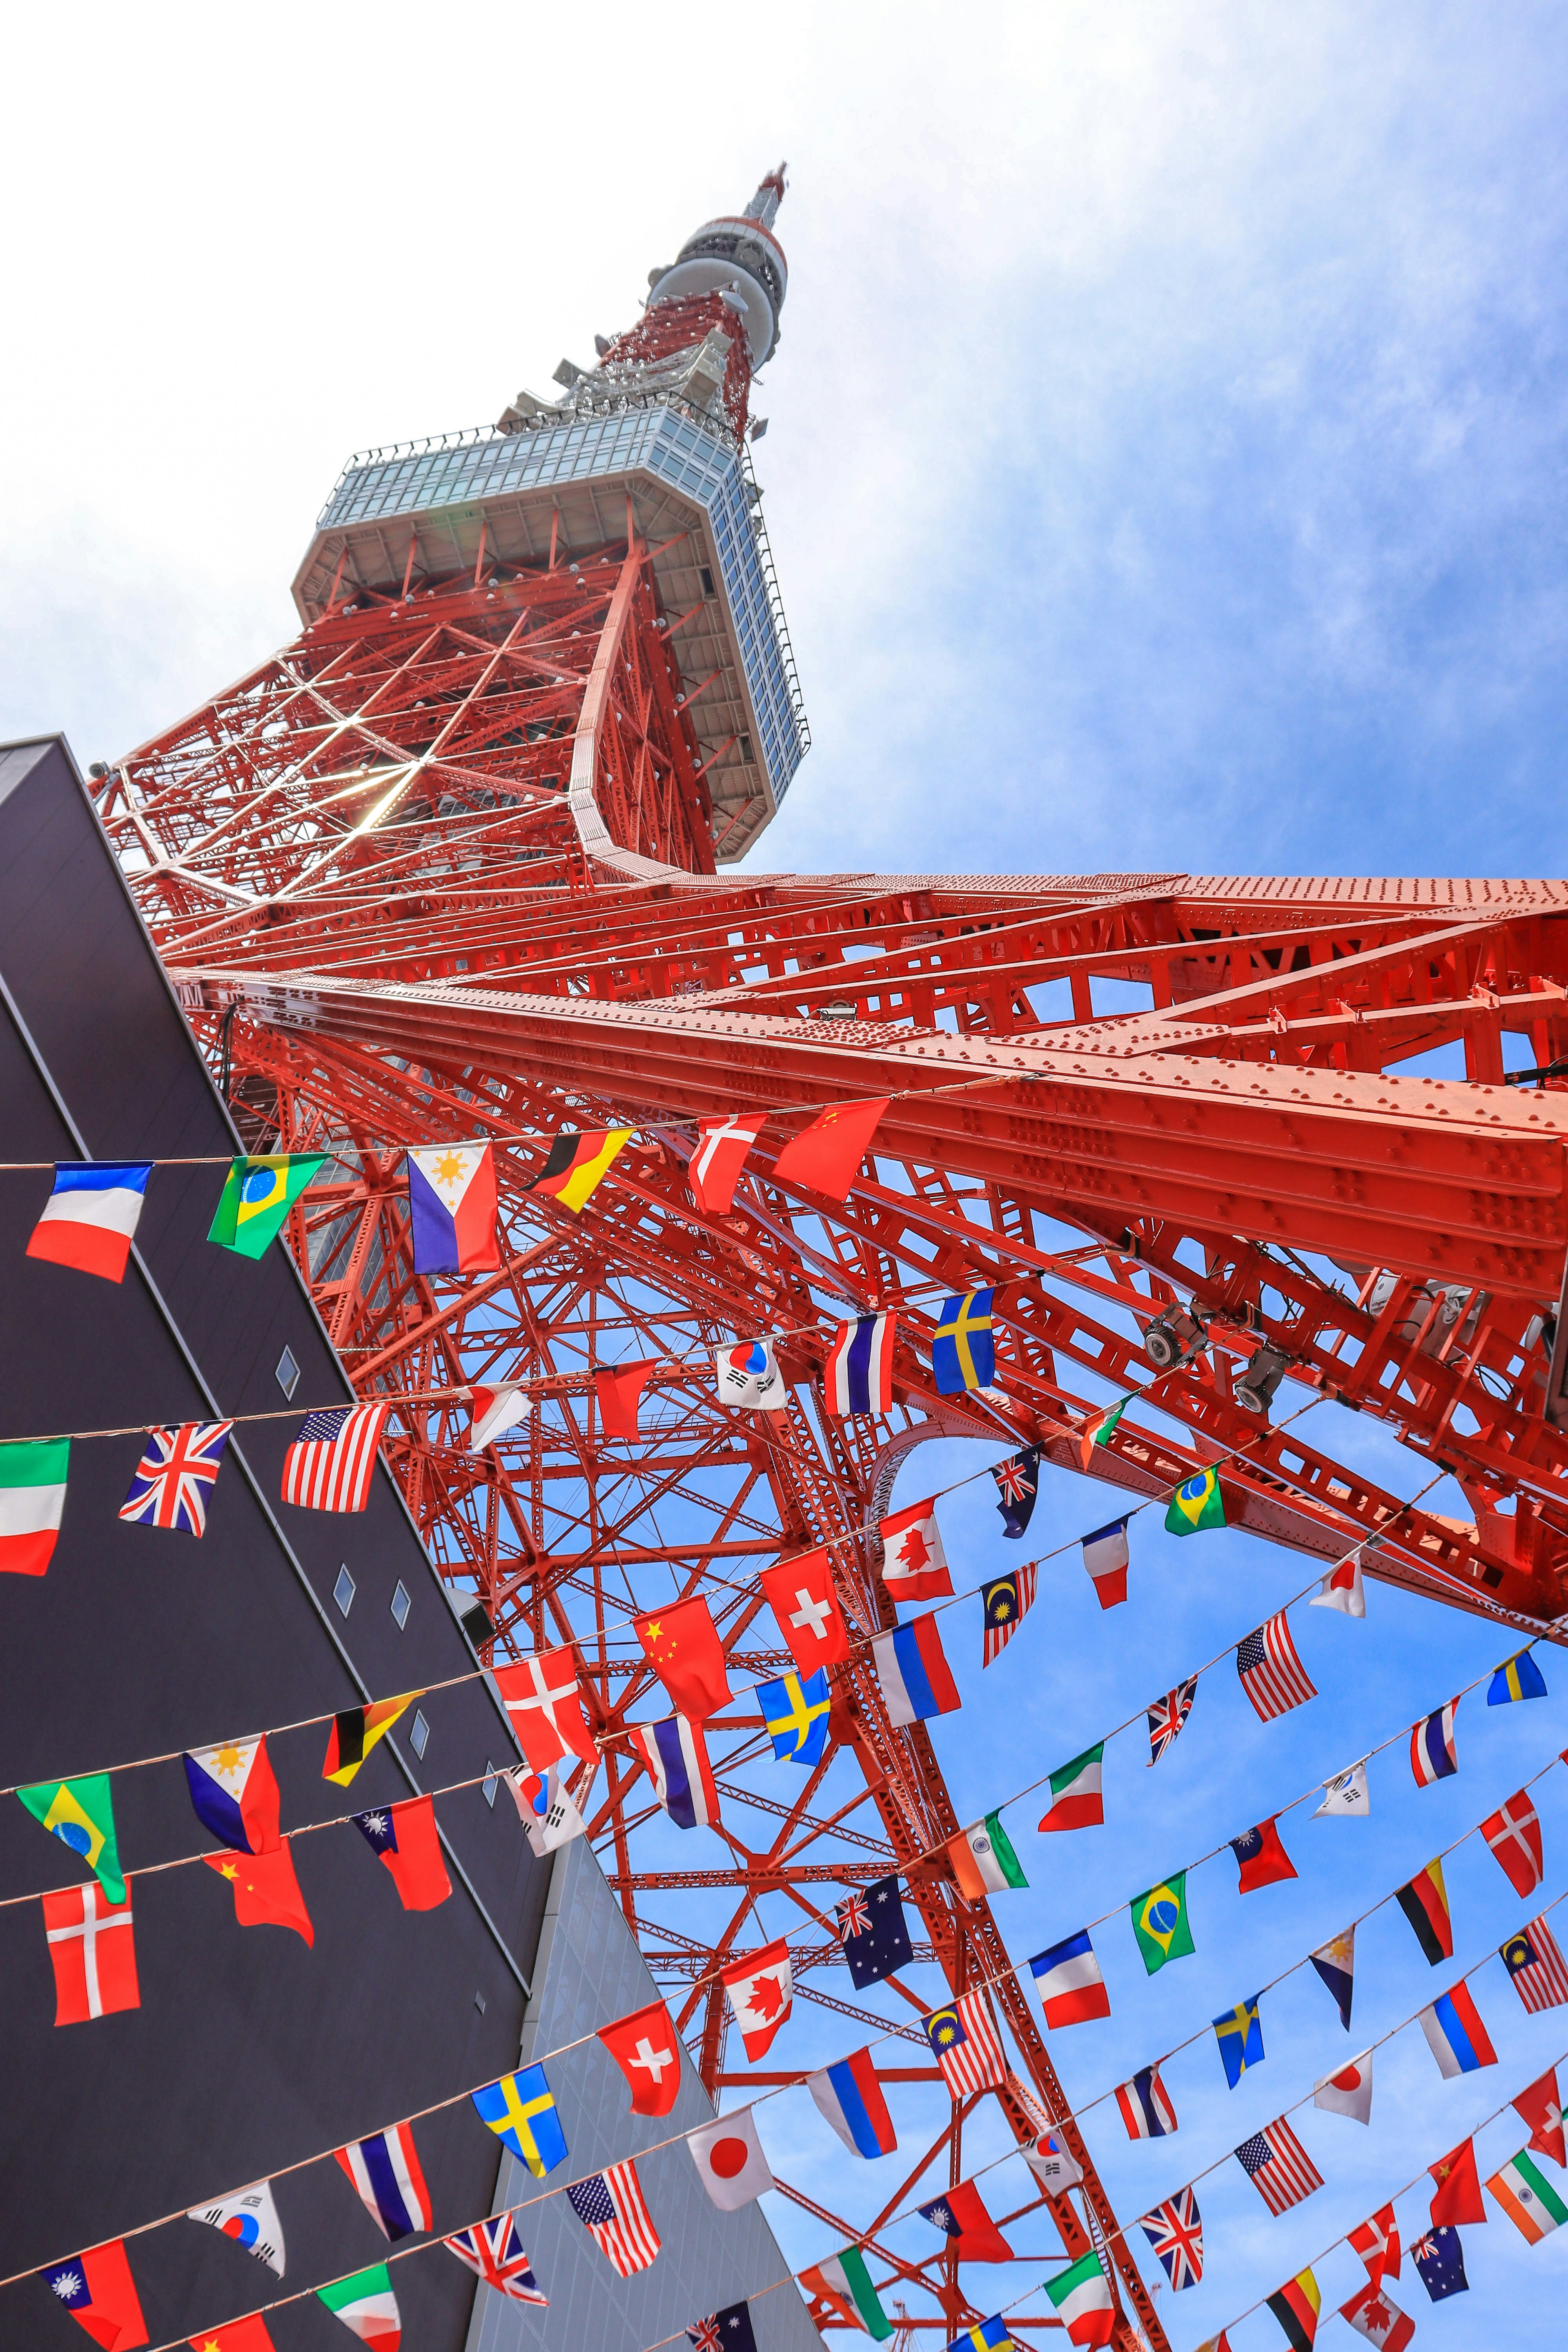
x=618, y=1391
x=914, y=1565
x=1513, y=1833
x=800, y=1593
x=544, y=1708
x=722, y=1145
x=1541, y=2109
x=683, y=1648
x=762, y=1994
x=826, y=1154
x=1458, y=2193
x=644, y=2046
x=93, y=1952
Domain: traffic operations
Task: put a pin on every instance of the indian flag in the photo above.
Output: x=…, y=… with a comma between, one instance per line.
x=1076, y=1802
x=1527, y=2198
x=1082, y=2297
x=366, y=2303
x=32, y=1499
x=1100, y=1432
x=845, y=2283
x=983, y=1859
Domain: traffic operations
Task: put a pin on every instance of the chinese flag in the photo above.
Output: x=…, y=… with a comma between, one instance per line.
x=826, y=1154
x=618, y=1390
x=1458, y=2194
x=1541, y=2109
x=240, y=2335
x=800, y=1593
x=644, y=2049
x=266, y=1891
x=682, y=1646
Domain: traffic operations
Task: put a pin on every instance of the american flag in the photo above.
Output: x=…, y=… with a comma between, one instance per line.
x=169, y=1489
x=1535, y=1965
x=610, y=2205
x=329, y=1465
x=1168, y=1715
x=1175, y=2230
x=495, y=2252
x=1279, y=2166
x=967, y=2046
x=1007, y=1600
x=1272, y=1675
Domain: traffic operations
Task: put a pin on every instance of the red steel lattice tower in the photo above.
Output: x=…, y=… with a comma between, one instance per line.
x=451, y=864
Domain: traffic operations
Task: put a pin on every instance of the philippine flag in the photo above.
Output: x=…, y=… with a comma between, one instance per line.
x=452, y=1208
x=385, y=2171
x=676, y=1755
x=234, y=1793
x=850, y=2099
x=89, y=1218
x=912, y=1669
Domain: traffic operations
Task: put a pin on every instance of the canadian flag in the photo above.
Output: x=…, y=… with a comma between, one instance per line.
x=543, y=1706
x=1382, y=2323
x=800, y=1593
x=1513, y=1833
x=644, y=2046
x=914, y=1565
x=762, y=1994
x=716, y=1165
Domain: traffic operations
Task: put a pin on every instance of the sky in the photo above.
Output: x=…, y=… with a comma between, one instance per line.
x=1165, y=473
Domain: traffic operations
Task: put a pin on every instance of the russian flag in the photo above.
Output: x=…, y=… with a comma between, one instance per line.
x=676, y=1755
x=234, y=1794
x=89, y=1218
x=452, y=1209
x=912, y=1669
x=1455, y=2036
x=850, y=2097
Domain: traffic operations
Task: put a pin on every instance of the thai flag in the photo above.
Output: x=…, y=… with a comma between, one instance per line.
x=89, y=1218
x=859, y=1374
x=676, y=1755
x=912, y=1669
x=850, y=2099
x=1432, y=1756
x=385, y=2171
x=234, y=1794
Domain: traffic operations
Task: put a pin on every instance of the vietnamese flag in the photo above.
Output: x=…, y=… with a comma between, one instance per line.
x=826, y=1154
x=266, y=1891
x=682, y=1646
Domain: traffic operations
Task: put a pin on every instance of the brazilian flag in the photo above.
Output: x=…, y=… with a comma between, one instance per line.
x=1199, y=1503
x=1161, y=1925
x=81, y=1814
x=258, y=1194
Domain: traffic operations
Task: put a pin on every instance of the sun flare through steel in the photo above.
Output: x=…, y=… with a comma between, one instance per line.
x=452, y=864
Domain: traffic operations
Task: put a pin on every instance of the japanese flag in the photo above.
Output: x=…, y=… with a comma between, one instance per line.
x=747, y=1375
x=1343, y=1588
x=762, y=1993
x=1347, y=2092
x=729, y=2158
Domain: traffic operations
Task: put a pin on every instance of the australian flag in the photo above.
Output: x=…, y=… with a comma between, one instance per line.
x=1440, y=2260
x=874, y=1933
x=729, y=2330
x=1018, y=1480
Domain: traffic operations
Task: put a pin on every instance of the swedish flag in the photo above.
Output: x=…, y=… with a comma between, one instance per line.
x=963, y=1353
x=795, y=1712
x=520, y=2111
x=1239, y=2033
x=989, y=2335
x=1520, y=1678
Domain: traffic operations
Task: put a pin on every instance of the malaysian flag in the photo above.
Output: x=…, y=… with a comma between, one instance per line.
x=1006, y=1601
x=1536, y=1967
x=328, y=1466
x=1279, y=2166
x=1168, y=1715
x=495, y=2253
x=169, y=1489
x=610, y=2207
x=967, y=2046
x=1272, y=1675
x=1175, y=2230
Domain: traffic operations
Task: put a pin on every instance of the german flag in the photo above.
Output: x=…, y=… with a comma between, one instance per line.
x=577, y=1163
x=1296, y=2307
x=355, y=1732
x=1424, y=1902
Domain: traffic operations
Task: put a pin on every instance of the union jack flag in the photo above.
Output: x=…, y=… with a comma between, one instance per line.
x=854, y=1918
x=1168, y=1715
x=169, y=1489
x=1175, y=2230
x=495, y=2252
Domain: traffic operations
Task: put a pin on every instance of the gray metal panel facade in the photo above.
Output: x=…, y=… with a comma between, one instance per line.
x=589, y=1970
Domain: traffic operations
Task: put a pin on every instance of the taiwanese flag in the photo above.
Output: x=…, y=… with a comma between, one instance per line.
x=406, y=1839
x=97, y=2288
x=682, y=1646
x=826, y=1154
x=578, y=1164
x=266, y=1891
x=1424, y=1902
x=1458, y=2192
x=1263, y=1859
x=961, y=2214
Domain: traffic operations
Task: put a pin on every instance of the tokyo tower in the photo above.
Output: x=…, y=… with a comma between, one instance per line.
x=459, y=860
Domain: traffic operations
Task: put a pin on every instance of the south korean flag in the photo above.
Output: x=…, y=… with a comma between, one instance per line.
x=748, y=1375
x=545, y=1809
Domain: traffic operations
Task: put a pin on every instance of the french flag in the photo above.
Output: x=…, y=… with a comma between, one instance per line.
x=850, y=2097
x=385, y=2171
x=89, y=1218
x=676, y=1756
x=912, y=1669
x=859, y=1374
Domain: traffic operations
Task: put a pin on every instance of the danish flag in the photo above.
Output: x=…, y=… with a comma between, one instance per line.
x=544, y=1708
x=1513, y=1833
x=714, y=1168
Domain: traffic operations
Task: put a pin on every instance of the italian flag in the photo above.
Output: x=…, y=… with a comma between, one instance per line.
x=1527, y=2198
x=1076, y=1802
x=1082, y=2297
x=32, y=1499
x=1100, y=1432
x=845, y=2283
x=983, y=1859
x=366, y=2303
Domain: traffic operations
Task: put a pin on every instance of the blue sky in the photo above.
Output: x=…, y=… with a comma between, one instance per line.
x=1165, y=472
